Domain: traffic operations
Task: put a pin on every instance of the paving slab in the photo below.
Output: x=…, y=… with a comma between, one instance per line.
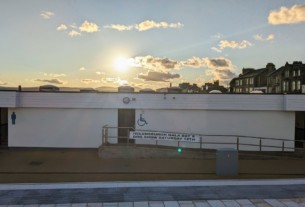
x=94, y=204
x=171, y=203
x=156, y=204
x=275, y=203
x=216, y=203
x=244, y=202
x=141, y=204
x=201, y=204
x=125, y=204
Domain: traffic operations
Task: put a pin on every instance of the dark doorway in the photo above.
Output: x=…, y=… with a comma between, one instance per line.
x=299, y=128
x=3, y=127
x=126, y=123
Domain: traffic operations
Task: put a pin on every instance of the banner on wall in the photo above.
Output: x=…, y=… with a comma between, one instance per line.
x=152, y=135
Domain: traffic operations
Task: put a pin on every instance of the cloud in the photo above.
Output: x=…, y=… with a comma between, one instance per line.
x=89, y=27
x=54, y=75
x=164, y=64
x=99, y=73
x=231, y=44
x=88, y=81
x=216, y=49
x=261, y=38
x=155, y=63
x=53, y=81
x=146, y=25
x=62, y=27
x=3, y=83
x=143, y=26
x=158, y=76
x=46, y=14
x=74, y=33
x=234, y=45
x=82, y=68
x=73, y=26
x=217, y=36
x=119, y=27
x=222, y=75
x=116, y=80
x=284, y=15
x=214, y=63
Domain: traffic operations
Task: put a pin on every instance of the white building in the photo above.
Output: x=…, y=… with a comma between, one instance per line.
x=75, y=120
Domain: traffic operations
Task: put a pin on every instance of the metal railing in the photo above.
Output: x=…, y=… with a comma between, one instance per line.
x=285, y=144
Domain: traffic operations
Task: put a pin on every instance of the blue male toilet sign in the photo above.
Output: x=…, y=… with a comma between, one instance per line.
x=141, y=121
x=13, y=117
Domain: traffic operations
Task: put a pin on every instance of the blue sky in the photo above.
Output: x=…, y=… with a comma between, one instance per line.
x=145, y=44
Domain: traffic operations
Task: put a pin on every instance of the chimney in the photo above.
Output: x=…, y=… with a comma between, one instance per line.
x=270, y=67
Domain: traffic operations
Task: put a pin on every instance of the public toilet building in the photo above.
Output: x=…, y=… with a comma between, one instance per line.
x=76, y=120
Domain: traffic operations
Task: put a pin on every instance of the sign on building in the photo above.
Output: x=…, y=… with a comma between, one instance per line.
x=151, y=135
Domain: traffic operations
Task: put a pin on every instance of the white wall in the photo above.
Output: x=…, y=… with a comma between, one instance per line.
x=8, y=99
x=71, y=128
x=267, y=124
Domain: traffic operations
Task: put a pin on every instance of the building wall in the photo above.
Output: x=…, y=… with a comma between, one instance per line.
x=8, y=99
x=266, y=124
x=62, y=128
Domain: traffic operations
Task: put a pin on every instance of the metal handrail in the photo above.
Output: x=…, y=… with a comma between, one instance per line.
x=237, y=142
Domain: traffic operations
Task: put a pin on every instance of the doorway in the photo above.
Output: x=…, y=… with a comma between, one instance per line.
x=3, y=127
x=299, y=128
x=126, y=123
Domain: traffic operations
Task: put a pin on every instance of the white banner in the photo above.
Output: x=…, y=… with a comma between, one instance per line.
x=150, y=135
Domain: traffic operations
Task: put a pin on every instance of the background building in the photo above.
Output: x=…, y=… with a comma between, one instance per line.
x=207, y=87
x=287, y=79
x=251, y=79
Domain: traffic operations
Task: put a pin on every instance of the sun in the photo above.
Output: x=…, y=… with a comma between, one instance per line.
x=121, y=64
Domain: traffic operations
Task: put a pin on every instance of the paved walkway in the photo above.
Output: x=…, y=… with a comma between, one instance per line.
x=222, y=193
x=45, y=166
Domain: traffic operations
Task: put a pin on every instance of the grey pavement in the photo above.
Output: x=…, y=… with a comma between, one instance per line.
x=286, y=193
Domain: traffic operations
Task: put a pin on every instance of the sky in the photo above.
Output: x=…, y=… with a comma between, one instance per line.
x=145, y=43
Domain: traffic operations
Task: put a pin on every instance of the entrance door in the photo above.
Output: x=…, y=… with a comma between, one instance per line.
x=126, y=118
x=3, y=127
x=299, y=128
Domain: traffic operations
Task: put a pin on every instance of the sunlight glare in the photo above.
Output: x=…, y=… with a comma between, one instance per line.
x=121, y=64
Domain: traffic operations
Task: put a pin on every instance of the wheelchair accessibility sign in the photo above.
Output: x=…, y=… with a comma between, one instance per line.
x=141, y=121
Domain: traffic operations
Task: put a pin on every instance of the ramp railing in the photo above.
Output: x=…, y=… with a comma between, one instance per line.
x=206, y=141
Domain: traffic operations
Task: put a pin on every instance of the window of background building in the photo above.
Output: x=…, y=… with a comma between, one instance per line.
x=287, y=85
x=293, y=73
x=298, y=85
x=287, y=73
x=251, y=80
x=299, y=72
x=293, y=85
x=277, y=89
x=237, y=82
